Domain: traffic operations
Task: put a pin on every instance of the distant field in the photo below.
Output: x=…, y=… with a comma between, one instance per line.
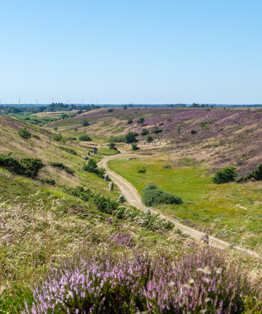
x=232, y=211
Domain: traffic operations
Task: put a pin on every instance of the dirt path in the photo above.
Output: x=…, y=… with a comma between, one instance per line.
x=134, y=199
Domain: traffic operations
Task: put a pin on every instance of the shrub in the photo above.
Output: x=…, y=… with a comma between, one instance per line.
x=193, y=131
x=84, y=137
x=166, y=166
x=112, y=146
x=68, y=150
x=140, y=120
x=93, y=168
x=141, y=169
x=225, y=175
x=134, y=147
x=144, y=132
x=24, y=133
x=58, y=137
x=149, y=138
x=257, y=174
x=47, y=181
x=62, y=167
x=156, y=131
x=131, y=137
x=161, y=123
x=55, y=128
x=85, y=123
x=110, y=110
x=215, y=145
x=27, y=166
x=72, y=138
x=35, y=136
x=129, y=121
x=152, y=196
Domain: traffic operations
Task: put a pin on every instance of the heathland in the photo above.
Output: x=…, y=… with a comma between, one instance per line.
x=69, y=246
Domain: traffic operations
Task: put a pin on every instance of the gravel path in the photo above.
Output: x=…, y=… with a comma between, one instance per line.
x=133, y=198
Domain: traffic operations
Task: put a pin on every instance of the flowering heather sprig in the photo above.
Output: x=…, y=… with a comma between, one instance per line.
x=115, y=283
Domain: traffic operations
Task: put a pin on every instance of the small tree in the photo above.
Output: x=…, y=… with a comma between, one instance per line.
x=24, y=133
x=55, y=128
x=129, y=121
x=134, y=147
x=85, y=123
x=130, y=137
x=125, y=107
x=58, y=137
x=112, y=146
x=144, y=132
x=149, y=138
x=140, y=120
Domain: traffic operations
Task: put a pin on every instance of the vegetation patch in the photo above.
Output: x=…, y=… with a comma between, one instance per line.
x=84, y=137
x=62, y=167
x=68, y=150
x=28, y=167
x=152, y=196
x=93, y=168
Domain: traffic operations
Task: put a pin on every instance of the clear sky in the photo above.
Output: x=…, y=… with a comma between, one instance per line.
x=131, y=51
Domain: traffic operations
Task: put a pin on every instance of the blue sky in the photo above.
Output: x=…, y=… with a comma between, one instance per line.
x=131, y=51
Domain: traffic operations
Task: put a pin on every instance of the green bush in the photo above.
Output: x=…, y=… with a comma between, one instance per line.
x=152, y=196
x=72, y=138
x=110, y=110
x=131, y=137
x=144, y=132
x=257, y=174
x=134, y=147
x=61, y=166
x=193, y=131
x=129, y=121
x=112, y=146
x=93, y=168
x=166, y=166
x=24, y=133
x=84, y=137
x=47, y=181
x=141, y=169
x=58, y=137
x=85, y=123
x=68, y=150
x=156, y=131
x=149, y=138
x=35, y=136
x=161, y=123
x=140, y=120
x=27, y=166
x=225, y=175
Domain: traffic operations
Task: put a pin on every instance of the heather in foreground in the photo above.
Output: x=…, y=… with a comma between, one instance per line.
x=200, y=282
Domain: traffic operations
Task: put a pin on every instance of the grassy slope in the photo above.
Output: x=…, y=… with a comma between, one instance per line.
x=232, y=211
x=40, y=225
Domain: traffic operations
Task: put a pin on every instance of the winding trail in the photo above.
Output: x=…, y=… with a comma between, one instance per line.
x=133, y=198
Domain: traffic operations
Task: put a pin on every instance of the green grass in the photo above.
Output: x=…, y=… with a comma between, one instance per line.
x=214, y=208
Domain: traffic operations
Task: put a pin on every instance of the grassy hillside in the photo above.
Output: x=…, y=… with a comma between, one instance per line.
x=46, y=229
